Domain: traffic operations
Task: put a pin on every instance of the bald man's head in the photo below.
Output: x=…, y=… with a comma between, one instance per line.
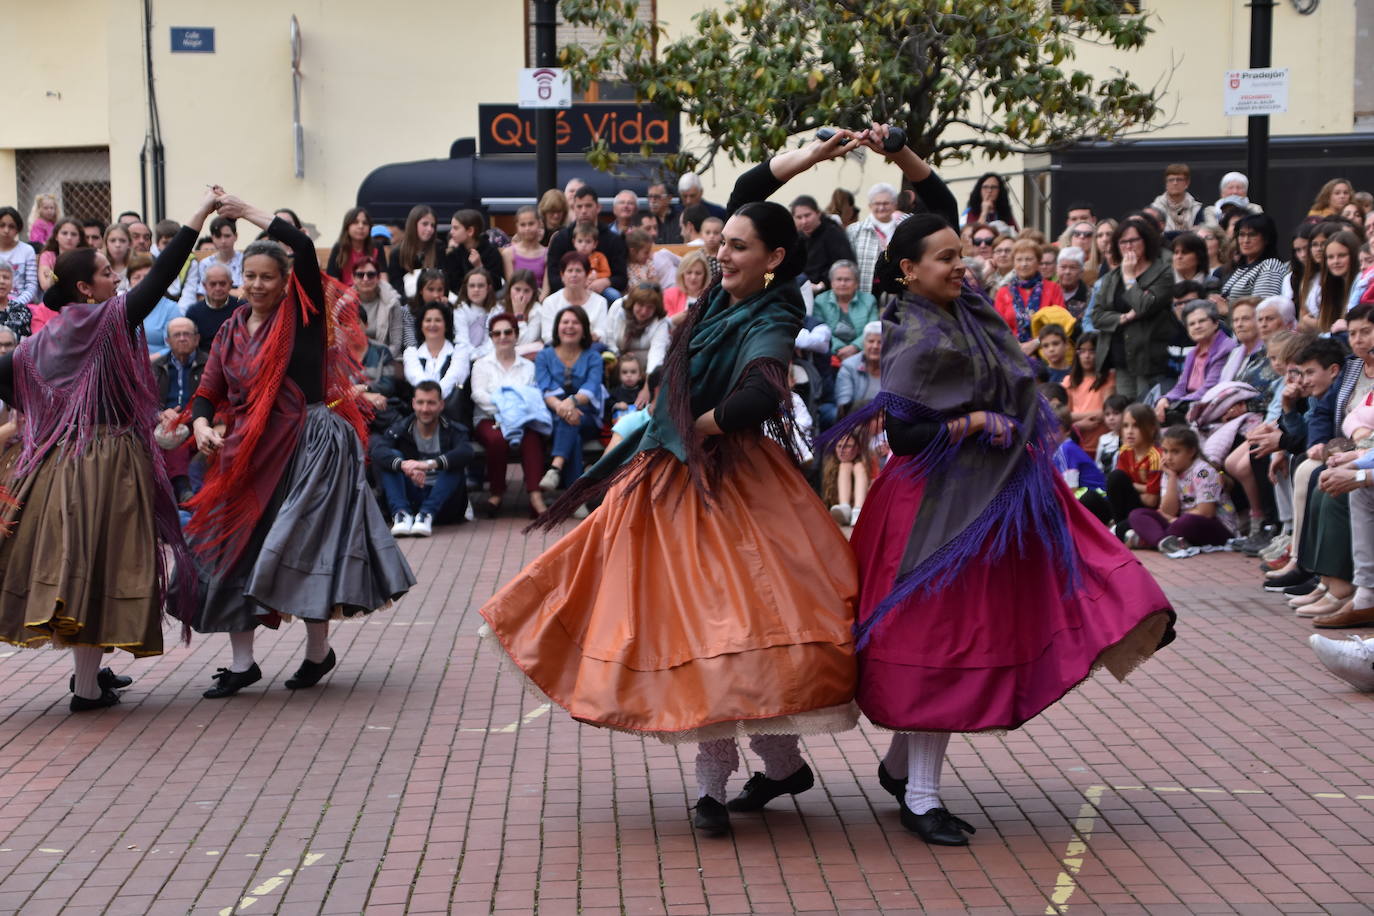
x=182, y=337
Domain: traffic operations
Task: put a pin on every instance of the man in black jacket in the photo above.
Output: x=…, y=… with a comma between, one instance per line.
x=587, y=209
x=826, y=241
x=421, y=461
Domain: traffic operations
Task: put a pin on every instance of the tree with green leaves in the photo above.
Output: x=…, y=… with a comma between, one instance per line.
x=962, y=77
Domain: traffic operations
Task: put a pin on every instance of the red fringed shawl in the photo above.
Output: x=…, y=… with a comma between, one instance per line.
x=264, y=412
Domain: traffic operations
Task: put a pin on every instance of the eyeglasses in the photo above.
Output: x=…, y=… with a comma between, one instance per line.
x=1082, y=233
x=502, y=332
x=1247, y=234
x=984, y=240
x=366, y=274
x=1135, y=241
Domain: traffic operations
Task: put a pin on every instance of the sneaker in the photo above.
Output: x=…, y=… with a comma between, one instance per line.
x=840, y=514
x=1351, y=660
x=1277, y=546
x=423, y=527
x=1302, y=588
x=549, y=482
x=401, y=524
x=1172, y=544
x=468, y=514
x=1297, y=576
x=854, y=518
x=1131, y=539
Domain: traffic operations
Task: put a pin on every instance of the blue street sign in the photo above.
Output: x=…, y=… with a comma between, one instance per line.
x=199, y=41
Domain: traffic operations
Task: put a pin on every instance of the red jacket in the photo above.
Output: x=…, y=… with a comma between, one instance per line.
x=1050, y=295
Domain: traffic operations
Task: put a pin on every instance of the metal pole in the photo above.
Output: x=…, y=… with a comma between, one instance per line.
x=545, y=119
x=1257, y=135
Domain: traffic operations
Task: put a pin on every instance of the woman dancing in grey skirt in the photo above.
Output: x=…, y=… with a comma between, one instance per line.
x=285, y=525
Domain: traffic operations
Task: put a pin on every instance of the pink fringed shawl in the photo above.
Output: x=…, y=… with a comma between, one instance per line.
x=87, y=375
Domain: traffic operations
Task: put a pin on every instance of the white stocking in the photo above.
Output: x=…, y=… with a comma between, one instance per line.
x=86, y=662
x=316, y=640
x=781, y=754
x=716, y=760
x=926, y=756
x=242, y=644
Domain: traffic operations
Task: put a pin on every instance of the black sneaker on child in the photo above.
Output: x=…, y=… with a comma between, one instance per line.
x=760, y=790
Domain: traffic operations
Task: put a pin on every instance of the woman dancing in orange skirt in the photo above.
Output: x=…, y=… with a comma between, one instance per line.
x=710, y=596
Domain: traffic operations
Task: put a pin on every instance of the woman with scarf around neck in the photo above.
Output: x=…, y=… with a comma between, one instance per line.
x=1027, y=293
x=986, y=590
x=708, y=597
x=91, y=534
x=285, y=525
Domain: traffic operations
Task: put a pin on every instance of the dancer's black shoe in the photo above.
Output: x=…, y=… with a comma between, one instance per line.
x=107, y=698
x=891, y=784
x=711, y=817
x=760, y=790
x=107, y=680
x=937, y=826
x=309, y=673
x=231, y=682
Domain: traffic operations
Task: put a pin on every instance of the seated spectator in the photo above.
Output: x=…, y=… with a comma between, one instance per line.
x=584, y=236
x=1257, y=270
x=1056, y=354
x=527, y=250
x=1181, y=211
x=693, y=278
x=826, y=242
x=1080, y=472
x=1332, y=197
x=1069, y=276
x=1028, y=293
x=868, y=237
x=1204, y=362
x=211, y=312
x=224, y=236
x=712, y=231
x=64, y=238
x=645, y=265
x=553, y=214
x=431, y=286
x=1002, y=272
x=94, y=231
x=1193, y=510
x=845, y=309
x=572, y=291
x=860, y=375
x=21, y=257
x=587, y=209
x=163, y=233
x=667, y=230
x=155, y=325
x=1049, y=262
x=354, y=245
x=18, y=318
x=631, y=385
x=690, y=224
x=845, y=474
x=569, y=375
x=422, y=461
x=1188, y=257
x=476, y=303
x=1088, y=393
x=521, y=295
x=638, y=326
x=468, y=247
x=842, y=208
x=436, y=358
x=385, y=318
x=1135, y=481
x=495, y=372
x=1337, y=281
x=417, y=250
x=624, y=212
x=1109, y=443
x=177, y=371
x=691, y=193
x=1234, y=188
x=379, y=382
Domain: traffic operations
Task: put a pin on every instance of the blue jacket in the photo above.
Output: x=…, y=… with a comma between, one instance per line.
x=518, y=408
x=585, y=377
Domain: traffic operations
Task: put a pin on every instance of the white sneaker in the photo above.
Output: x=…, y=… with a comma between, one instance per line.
x=854, y=517
x=1351, y=660
x=401, y=525
x=549, y=482
x=1132, y=540
x=841, y=514
x=468, y=514
x=423, y=527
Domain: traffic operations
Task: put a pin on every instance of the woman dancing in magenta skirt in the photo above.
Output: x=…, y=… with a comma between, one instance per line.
x=987, y=591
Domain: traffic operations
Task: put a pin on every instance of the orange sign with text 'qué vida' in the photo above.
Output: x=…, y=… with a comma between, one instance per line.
x=626, y=128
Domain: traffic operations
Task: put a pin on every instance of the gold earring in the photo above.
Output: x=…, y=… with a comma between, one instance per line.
x=767, y=279
x=907, y=281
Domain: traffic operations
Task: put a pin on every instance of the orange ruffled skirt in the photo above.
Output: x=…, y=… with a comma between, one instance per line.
x=663, y=616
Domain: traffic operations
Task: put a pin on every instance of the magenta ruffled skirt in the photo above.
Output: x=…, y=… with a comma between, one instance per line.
x=1002, y=642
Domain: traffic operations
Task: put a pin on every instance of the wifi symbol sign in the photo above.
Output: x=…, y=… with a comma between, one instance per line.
x=545, y=87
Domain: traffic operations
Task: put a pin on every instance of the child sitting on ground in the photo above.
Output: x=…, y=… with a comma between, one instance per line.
x=1055, y=353
x=1135, y=482
x=844, y=479
x=584, y=238
x=1109, y=443
x=1193, y=509
x=1080, y=471
x=625, y=395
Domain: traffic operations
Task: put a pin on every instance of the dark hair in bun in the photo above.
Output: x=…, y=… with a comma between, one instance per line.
x=776, y=228
x=76, y=266
x=908, y=242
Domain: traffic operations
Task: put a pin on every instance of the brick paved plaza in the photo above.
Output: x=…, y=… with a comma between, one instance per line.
x=1231, y=774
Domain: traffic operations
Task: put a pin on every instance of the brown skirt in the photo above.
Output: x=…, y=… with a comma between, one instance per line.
x=79, y=567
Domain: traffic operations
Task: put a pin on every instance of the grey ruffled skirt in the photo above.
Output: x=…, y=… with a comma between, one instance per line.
x=322, y=549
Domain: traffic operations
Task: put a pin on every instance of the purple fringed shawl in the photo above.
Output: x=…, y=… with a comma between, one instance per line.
x=940, y=364
x=85, y=375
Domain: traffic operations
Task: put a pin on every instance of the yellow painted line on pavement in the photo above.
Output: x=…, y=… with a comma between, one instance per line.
x=526, y=719
x=1083, y=825
x=270, y=885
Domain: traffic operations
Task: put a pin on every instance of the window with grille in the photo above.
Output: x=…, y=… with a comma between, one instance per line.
x=602, y=90
x=78, y=178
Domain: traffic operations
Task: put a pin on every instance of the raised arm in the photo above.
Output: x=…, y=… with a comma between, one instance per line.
x=144, y=297
x=764, y=179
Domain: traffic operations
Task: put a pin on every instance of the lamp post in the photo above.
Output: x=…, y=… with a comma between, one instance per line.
x=545, y=119
x=1257, y=134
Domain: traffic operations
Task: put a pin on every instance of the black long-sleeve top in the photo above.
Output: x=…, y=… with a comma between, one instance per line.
x=306, y=366
x=139, y=302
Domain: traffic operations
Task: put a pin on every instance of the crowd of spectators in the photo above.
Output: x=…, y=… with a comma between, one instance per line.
x=1211, y=362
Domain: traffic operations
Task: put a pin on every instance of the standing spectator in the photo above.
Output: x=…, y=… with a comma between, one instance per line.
x=1069, y=276
x=437, y=359
x=224, y=236
x=1181, y=211
x=553, y=213
x=498, y=369
x=1338, y=279
x=1332, y=197
x=845, y=309
x=569, y=375
x=17, y=318
x=94, y=231
x=693, y=279
x=1234, y=188
x=826, y=241
x=624, y=212
x=870, y=235
x=66, y=236
x=218, y=305
x=981, y=239
x=1211, y=237
x=1189, y=259
x=353, y=246
x=386, y=322
x=990, y=203
x=21, y=257
x=422, y=460
x=527, y=250
x=842, y=208
x=644, y=264
x=42, y=219
x=1079, y=211
x=140, y=238
x=468, y=247
x=1133, y=313
x=1001, y=263
x=587, y=209
x=1257, y=270
x=418, y=250
x=661, y=209
x=155, y=325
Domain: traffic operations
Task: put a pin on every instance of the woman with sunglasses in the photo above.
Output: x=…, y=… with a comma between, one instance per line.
x=502, y=368
x=388, y=323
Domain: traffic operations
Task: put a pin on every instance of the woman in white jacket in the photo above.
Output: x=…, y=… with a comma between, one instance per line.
x=437, y=358
x=638, y=324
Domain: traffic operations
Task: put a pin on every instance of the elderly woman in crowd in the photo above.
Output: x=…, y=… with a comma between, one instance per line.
x=868, y=237
x=1202, y=366
x=845, y=309
x=860, y=374
x=1133, y=311
x=1026, y=294
x=1069, y=276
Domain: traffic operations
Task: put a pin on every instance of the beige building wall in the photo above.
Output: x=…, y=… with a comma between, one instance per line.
x=401, y=82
